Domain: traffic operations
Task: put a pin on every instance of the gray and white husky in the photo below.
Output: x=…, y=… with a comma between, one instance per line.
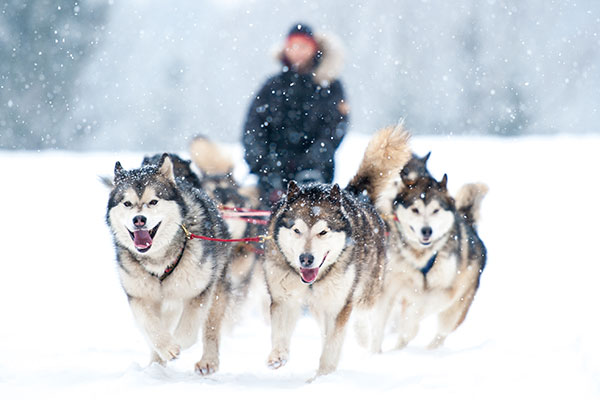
x=174, y=285
x=328, y=251
x=435, y=257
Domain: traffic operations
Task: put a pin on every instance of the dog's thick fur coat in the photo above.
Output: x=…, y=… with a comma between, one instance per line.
x=174, y=285
x=435, y=258
x=328, y=251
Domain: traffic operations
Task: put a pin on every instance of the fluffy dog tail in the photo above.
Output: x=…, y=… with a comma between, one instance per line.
x=468, y=201
x=209, y=158
x=386, y=155
x=106, y=181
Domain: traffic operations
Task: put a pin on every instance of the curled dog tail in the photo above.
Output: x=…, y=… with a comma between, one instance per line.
x=384, y=158
x=208, y=157
x=468, y=201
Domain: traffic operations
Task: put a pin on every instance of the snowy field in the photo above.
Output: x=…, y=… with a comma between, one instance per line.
x=66, y=331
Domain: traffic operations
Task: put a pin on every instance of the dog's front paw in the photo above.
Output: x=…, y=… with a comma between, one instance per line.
x=402, y=343
x=437, y=342
x=167, y=349
x=207, y=366
x=277, y=359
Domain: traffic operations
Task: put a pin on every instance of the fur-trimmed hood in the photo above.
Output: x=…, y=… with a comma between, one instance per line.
x=331, y=61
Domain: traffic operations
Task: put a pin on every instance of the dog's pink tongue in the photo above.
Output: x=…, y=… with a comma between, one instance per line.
x=142, y=239
x=309, y=274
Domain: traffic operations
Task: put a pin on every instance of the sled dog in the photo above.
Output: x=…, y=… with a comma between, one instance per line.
x=328, y=251
x=414, y=168
x=218, y=182
x=174, y=285
x=435, y=258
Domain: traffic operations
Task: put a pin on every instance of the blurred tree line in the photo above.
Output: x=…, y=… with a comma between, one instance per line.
x=151, y=74
x=44, y=48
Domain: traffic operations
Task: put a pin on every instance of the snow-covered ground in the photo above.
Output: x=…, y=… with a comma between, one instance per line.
x=533, y=331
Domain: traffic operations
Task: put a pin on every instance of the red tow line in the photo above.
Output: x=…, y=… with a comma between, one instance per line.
x=258, y=239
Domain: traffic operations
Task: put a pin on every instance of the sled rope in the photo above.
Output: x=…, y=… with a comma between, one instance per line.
x=246, y=212
x=254, y=221
x=258, y=239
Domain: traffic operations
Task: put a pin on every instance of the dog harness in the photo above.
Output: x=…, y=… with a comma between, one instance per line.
x=429, y=264
x=171, y=267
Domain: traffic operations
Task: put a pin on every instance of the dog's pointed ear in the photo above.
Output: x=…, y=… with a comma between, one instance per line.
x=292, y=190
x=165, y=168
x=119, y=173
x=424, y=159
x=335, y=195
x=444, y=182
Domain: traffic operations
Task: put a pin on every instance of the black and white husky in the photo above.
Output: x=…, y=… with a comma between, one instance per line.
x=174, y=285
x=328, y=251
x=435, y=257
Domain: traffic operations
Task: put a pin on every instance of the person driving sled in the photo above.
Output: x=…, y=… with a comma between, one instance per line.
x=299, y=117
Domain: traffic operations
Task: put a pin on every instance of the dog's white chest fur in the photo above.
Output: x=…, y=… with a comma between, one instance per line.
x=443, y=273
x=186, y=281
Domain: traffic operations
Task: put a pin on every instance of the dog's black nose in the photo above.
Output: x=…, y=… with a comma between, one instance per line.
x=306, y=259
x=426, y=231
x=139, y=221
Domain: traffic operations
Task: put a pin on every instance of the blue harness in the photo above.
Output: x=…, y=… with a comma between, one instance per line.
x=429, y=264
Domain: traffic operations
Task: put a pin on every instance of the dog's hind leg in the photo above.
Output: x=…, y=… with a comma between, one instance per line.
x=380, y=315
x=362, y=328
x=194, y=313
x=147, y=315
x=408, y=322
x=284, y=315
x=452, y=317
x=212, y=331
x=335, y=330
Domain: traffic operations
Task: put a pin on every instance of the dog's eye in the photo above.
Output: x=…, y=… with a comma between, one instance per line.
x=436, y=210
x=296, y=230
x=153, y=202
x=415, y=211
x=127, y=204
x=323, y=233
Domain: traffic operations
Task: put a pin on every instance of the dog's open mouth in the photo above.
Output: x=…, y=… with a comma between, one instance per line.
x=309, y=275
x=142, y=239
x=425, y=242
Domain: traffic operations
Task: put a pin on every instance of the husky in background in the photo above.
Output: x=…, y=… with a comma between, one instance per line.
x=174, y=285
x=218, y=182
x=182, y=169
x=216, y=169
x=436, y=258
x=328, y=251
x=414, y=168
